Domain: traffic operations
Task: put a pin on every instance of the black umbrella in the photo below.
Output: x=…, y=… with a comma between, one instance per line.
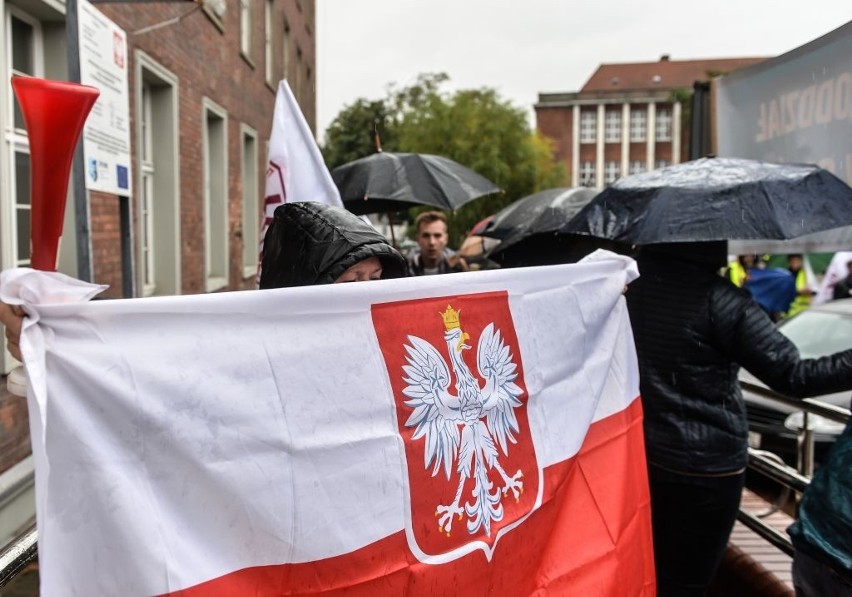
x=542, y=212
x=717, y=199
x=527, y=228
x=387, y=182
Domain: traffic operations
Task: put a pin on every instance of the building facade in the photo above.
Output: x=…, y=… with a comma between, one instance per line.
x=202, y=79
x=628, y=118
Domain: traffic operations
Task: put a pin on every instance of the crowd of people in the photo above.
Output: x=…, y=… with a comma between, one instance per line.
x=693, y=330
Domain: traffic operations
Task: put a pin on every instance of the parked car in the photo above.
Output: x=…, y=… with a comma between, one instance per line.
x=818, y=331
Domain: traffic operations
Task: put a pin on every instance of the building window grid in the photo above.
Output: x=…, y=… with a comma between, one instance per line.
x=216, y=203
x=611, y=172
x=250, y=212
x=245, y=27
x=587, y=174
x=637, y=167
x=286, y=51
x=147, y=187
x=267, y=41
x=612, y=126
x=664, y=125
x=662, y=164
x=23, y=49
x=298, y=81
x=638, y=125
x=588, y=127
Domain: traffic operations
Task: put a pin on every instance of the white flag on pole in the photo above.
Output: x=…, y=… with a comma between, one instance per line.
x=295, y=170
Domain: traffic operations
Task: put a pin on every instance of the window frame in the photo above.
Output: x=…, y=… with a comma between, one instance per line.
x=588, y=126
x=638, y=125
x=612, y=126
x=215, y=183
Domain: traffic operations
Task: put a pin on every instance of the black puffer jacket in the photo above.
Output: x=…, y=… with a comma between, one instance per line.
x=693, y=330
x=313, y=243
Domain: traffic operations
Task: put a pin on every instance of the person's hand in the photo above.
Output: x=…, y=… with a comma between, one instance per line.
x=12, y=318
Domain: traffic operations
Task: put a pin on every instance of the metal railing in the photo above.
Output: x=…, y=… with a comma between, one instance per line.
x=774, y=468
x=16, y=556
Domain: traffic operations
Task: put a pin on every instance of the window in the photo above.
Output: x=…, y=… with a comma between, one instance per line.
x=662, y=164
x=286, y=59
x=267, y=43
x=637, y=167
x=638, y=125
x=664, y=125
x=24, y=48
x=588, y=127
x=215, y=144
x=250, y=212
x=587, y=174
x=611, y=172
x=298, y=83
x=158, y=202
x=146, y=201
x=245, y=27
x=612, y=126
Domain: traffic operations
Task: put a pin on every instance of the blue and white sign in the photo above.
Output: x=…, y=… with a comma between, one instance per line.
x=106, y=136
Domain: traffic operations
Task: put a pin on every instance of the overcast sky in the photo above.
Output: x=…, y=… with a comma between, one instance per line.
x=522, y=48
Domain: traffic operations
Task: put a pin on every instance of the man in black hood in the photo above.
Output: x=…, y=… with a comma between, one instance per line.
x=314, y=243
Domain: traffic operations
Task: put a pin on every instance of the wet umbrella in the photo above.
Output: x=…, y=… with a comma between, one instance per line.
x=388, y=182
x=539, y=213
x=528, y=227
x=717, y=199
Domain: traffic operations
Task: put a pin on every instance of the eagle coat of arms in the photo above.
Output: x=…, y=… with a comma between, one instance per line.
x=466, y=429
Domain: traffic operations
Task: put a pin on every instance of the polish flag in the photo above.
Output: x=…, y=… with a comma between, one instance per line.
x=479, y=433
x=295, y=169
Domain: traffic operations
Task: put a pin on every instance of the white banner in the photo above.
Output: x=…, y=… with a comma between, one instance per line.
x=181, y=440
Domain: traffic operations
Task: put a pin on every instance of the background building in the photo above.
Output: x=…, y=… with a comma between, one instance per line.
x=202, y=83
x=627, y=118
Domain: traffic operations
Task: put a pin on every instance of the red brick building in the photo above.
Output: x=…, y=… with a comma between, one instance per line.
x=627, y=118
x=202, y=78
x=202, y=83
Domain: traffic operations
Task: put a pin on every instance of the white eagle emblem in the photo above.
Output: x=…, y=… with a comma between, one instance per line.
x=467, y=424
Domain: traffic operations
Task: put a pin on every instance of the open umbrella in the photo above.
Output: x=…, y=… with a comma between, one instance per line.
x=717, y=199
x=387, y=182
x=527, y=228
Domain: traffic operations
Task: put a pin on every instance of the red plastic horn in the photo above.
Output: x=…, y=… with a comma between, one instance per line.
x=55, y=112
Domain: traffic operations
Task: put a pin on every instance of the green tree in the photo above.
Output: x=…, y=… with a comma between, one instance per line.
x=352, y=134
x=482, y=131
x=475, y=127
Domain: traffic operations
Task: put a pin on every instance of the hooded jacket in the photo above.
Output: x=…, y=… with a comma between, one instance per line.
x=693, y=329
x=313, y=243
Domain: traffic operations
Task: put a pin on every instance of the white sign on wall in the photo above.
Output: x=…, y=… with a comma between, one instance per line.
x=106, y=136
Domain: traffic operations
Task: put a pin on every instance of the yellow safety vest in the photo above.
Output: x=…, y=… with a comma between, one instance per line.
x=802, y=301
x=737, y=273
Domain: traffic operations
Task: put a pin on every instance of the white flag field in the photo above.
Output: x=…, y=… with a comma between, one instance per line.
x=475, y=433
x=295, y=168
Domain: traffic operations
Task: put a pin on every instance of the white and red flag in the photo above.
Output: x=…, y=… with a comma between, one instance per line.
x=295, y=170
x=479, y=433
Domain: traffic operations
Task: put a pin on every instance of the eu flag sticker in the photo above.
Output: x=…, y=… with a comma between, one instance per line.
x=121, y=175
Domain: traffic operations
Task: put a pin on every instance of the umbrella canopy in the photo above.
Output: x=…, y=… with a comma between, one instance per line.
x=386, y=182
x=539, y=213
x=528, y=227
x=717, y=199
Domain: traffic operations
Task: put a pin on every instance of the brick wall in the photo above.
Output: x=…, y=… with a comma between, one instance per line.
x=14, y=428
x=205, y=57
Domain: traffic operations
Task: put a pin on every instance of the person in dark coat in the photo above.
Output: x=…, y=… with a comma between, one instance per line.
x=693, y=330
x=822, y=534
x=314, y=243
